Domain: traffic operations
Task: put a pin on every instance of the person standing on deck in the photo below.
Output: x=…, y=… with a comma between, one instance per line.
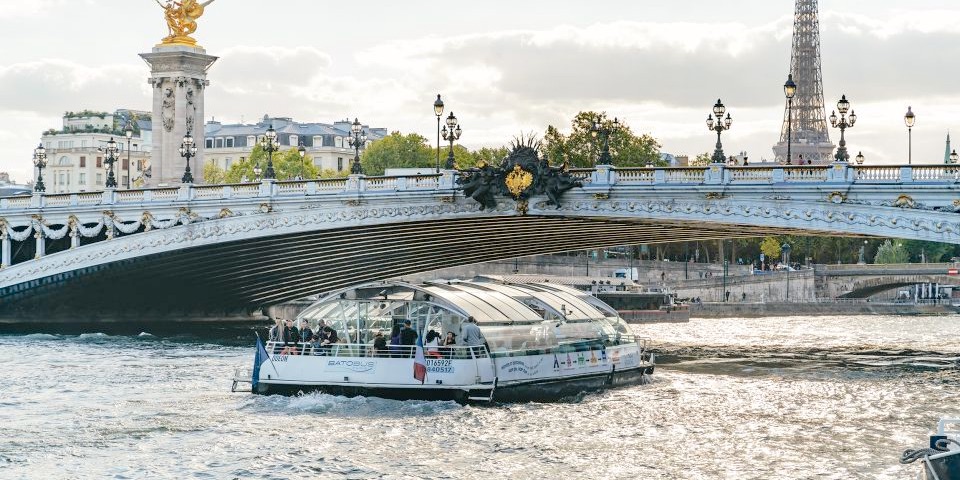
x=470, y=333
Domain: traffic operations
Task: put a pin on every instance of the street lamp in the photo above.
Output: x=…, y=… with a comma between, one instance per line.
x=188, y=150
x=111, y=151
x=128, y=132
x=859, y=158
x=604, y=132
x=719, y=126
x=789, y=89
x=358, y=138
x=785, y=248
x=40, y=160
x=438, y=110
x=450, y=135
x=954, y=157
x=843, y=123
x=303, y=152
x=910, y=120
x=270, y=144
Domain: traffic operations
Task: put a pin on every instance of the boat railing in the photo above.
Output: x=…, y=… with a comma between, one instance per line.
x=456, y=352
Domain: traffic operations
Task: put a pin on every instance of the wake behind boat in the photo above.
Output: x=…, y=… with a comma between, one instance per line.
x=537, y=341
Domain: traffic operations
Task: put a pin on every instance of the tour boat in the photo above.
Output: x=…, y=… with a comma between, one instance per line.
x=941, y=460
x=542, y=342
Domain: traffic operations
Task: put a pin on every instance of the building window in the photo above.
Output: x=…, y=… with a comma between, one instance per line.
x=243, y=158
x=317, y=141
x=339, y=164
x=83, y=178
x=226, y=162
x=99, y=162
x=126, y=164
x=62, y=176
x=83, y=143
x=251, y=140
x=83, y=162
x=123, y=181
x=229, y=142
x=219, y=143
x=294, y=140
x=64, y=161
x=99, y=178
x=208, y=143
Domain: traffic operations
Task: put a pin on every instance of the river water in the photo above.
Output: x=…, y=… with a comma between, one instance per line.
x=794, y=398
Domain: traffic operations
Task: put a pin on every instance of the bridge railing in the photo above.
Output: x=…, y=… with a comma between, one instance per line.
x=600, y=176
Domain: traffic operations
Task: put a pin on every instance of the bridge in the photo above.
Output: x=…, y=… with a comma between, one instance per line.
x=862, y=281
x=211, y=247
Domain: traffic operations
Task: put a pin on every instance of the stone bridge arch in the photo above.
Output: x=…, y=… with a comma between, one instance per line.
x=867, y=287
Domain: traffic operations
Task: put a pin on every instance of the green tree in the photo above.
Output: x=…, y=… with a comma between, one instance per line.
x=770, y=247
x=581, y=148
x=490, y=156
x=286, y=165
x=213, y=174
x=398, y=151
x=891, y=253
x=701, y=160
x=931, y=252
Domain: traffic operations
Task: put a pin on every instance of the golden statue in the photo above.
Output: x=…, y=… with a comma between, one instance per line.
x=181, y=17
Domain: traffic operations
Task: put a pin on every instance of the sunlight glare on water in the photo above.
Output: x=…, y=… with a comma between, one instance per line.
x=795, y=397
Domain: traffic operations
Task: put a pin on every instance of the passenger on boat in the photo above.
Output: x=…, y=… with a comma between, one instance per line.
x=450, y=340
x=380, y=345
x=305, y=332
x=470, y=333
x=315, y=344
x=328, y=336
x=395, y=341
x=433, y=344
x=275, y=330
x=408, y=336
x=290, y=337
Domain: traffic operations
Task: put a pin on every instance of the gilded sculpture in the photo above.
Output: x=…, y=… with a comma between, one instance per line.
x=181, y=17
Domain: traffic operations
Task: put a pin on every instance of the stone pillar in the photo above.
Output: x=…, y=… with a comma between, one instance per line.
x=41, y=242
x=178, y=74
x=4, y=249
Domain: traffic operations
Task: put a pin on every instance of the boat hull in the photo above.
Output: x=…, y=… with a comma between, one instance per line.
x=545, y=390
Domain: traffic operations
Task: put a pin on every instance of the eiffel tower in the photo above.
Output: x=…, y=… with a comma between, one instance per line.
x=809, y=126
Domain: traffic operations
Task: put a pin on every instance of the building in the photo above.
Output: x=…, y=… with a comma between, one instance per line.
x=327, y=144
x=75, y=160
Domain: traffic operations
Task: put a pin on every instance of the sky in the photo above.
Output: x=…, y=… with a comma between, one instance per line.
x=503, y=67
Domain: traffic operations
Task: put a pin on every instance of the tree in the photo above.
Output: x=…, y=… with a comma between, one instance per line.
x=891, y=253
x=770, y=247
x=491, y=156
x=581, y=149
x=398, y=151
x=286, y=165
x=931, y=252
x=213, y=174
x=701, y=160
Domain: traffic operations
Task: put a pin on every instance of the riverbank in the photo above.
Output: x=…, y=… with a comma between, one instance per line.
x=750, y=310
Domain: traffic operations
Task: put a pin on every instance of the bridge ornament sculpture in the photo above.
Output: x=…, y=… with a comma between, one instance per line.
x=262, y=243
x=521, y=175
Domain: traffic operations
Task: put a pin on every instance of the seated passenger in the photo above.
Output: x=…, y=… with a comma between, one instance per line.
x=315, y=344
x=433, y=344
x=450, y=340
x=305, y=332
x=380, y=345
x=328, y=337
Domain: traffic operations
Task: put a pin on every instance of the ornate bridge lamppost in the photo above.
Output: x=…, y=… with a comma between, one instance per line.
x=270, y=144
x=790, y=90
x=188, y=150
x=954, y=157
x=859, y=158
x=910, y=120
x=438, y=110
x=111, y=153
x=302, y=151
x=451, y=135
x=719, y=126
x=358, y=138
x=40, y=160
x=843, y=123
x=128, y=132
x=604, y=131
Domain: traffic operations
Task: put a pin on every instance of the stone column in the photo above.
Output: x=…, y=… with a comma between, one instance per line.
x=178, y=74
x=4, y=249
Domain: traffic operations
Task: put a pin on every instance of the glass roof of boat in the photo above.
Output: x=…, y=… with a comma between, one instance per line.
x=486, y=301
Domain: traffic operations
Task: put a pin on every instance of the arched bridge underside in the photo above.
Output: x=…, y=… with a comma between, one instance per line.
x=268, y=270
x=868, y=287
x=223, y=247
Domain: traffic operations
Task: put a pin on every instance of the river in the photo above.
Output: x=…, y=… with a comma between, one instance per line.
x=794, y=398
